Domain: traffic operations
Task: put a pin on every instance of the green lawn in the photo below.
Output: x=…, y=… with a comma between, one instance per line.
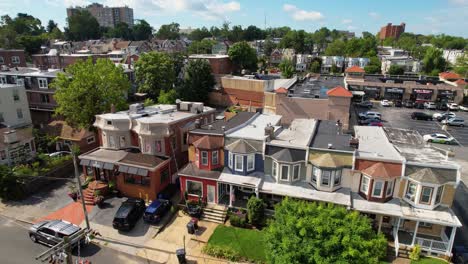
x=425, y=260
x=248, y=243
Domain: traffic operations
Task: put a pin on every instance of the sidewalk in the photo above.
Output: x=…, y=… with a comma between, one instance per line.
x=72, y=213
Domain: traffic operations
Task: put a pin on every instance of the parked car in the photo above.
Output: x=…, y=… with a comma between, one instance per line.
x=453, y=107
x=156, y=210
x=460, y=254
x=442, y=116
x=408, y=104
x=59, y=154
x=442, y=107
x=370, y=114
x=370, y=122
x=386, y=103
x=454, y=121
x=397, y=103
x=463, y=108
x=366, y=104
x=421, y=116
x=128, y=214
x=419, y=105
x=430, y=105
x=439, y=138
x=52, y=232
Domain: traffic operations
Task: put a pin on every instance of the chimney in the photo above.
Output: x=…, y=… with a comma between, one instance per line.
x=112, y=108
x=270, y=132
x=354, y=143
x=197, y=123
x=10, y=137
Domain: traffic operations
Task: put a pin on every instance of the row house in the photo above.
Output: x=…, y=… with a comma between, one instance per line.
x=141, y=149
x=390, y=175
x=329, y=61
x=12, y=58
x=67, y=136
x=278, y=55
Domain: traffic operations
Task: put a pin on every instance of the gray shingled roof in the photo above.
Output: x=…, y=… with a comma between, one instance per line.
x=285, y=154
x=217, y=126
x=431, y=175
x=241, y=146
x=192, y=170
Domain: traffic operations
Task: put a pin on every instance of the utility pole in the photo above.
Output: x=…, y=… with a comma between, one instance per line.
x=74, y=150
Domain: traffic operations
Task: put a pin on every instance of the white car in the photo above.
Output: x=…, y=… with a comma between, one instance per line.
x=430, y=105
x=454, y=121
x=386, y=103
x=453, y=107
x=59, y=154
x=440, y=116
x=463, y=108
x=370, y=114
x=439, y=138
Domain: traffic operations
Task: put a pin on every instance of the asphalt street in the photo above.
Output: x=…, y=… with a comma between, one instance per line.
x=17, y=248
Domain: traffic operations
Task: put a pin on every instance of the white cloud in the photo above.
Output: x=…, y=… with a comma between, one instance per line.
x=374, y=15
x=347, y=21
x=351, y=27
x=459, y=2
x=302, y=15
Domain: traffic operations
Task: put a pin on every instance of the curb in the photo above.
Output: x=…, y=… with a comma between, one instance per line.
x=18, y=220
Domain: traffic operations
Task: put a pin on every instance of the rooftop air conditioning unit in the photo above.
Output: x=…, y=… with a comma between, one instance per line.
x=185, y=106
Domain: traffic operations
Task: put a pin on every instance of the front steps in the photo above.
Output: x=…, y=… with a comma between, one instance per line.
x=215, y=214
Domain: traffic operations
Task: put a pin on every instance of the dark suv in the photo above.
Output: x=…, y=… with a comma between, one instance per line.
x=421, y=116
x=156, y=210
x=128, y=214
x=52, y=232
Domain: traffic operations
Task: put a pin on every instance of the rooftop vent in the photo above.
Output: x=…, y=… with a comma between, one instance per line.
x=330, y=145
x=135, y=108
x=10, y=137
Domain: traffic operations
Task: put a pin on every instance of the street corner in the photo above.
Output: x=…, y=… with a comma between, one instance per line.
x=72, y=213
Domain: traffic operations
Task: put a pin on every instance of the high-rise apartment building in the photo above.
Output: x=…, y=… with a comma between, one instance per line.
x=392, y=31
x=106, y=16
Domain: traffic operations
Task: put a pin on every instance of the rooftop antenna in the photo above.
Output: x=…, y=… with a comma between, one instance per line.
x=264, y=14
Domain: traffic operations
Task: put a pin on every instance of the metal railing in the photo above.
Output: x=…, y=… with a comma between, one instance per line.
x=432, y=245
x=397, y=243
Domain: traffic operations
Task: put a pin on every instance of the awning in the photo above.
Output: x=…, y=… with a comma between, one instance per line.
x=358, y=93
x=142, y=172
x=123, y=169
x=85, y=162
x=132, y=170
x=96, y=164
x=108, y=166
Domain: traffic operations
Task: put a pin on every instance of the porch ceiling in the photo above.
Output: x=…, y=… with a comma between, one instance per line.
x=392, y=207
x=241, y=180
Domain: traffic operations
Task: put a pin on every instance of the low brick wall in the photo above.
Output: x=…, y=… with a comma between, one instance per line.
x=33, y=184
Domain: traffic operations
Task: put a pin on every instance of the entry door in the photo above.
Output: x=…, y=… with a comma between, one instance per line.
x=211, y=193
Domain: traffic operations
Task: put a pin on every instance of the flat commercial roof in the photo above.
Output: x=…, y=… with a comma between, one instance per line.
x=328, y=132
x=217, y=126
x=104, y=155
x=256, y=128
x=299, y=134
x=374, y=144
x=315, y=87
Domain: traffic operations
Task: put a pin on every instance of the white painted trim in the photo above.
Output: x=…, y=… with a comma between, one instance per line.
x=381, y=190
x=368, y=183
x=186, y=187
x=207, y=158
x=44, y=80
x=217, y=157
x=253, y=163
x=281, y=172
x=298, y=172
x=242, y=163
x=230, y=159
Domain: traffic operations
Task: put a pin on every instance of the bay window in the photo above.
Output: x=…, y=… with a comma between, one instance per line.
x=439, y=194
x=274, y=169
x=365, y=184
x=284, y=172
x=378, y=188
x=239, y=163
x=326, y=177
x=214, y=157
x=337, y=178
x=426, y=195
x=296, y=172
x=204, y=158
x=315, y=174
x=411, y=191
x=230, y=160
x=250, y=162
x=389, y=188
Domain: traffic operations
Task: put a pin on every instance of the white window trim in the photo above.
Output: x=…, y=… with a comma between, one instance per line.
x=298, y=172
x=43, y=80
x=230, y=160
x=317, y=177
x=362, y=185
x=15, y=60
x=242, y=163
x=274, y=169
x=186, y=188
x=335, y=177
x=281, y=172
x=3, y=79
x=415, y=192
x=251, y=156
x=431, y=195
x=204, y=152
x=214, y=154
x=90, y=140
x=441, y=194
x=330, y=178
x=392, y=185
x=381, y=189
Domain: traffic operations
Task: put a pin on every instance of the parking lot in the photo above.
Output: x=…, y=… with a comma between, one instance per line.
x=400, y=117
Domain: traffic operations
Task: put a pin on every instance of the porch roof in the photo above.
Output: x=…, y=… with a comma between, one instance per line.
x=104, y=155
x=306, y=191
x=391, y=207
x=191, y=170
x=252, y=180
x=441, y=215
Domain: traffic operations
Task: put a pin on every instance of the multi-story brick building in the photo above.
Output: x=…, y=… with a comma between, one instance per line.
x=12, y=58
x=106, y=16
x=392, y=31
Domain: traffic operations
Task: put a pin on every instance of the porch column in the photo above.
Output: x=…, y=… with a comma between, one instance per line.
x=451, y=240
x=231, y=193
x=380, y=223
x=415, y=232
x=256, y=192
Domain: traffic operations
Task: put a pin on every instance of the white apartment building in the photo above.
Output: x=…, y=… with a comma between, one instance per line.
x=14, y=108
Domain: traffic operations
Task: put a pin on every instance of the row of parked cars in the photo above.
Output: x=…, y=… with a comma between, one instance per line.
x=370, y=118
x=447, y=118
x=417, y=105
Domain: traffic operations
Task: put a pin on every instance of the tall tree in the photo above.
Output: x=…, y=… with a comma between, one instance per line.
x=201, y=47
x=236, y=34
x=287, y=69
x=198, y=81
x=308, y=232
x=51, y=25
x=396, y=70
x=244, y=56
x=461, y=65
x=253, y=33
x=336, y=48
x=88, y=89
x=155, y=72
x=168, y=31
x=82, y=26
x=121, y=30
x=374, y=66
x=433, y=62
x=23, y=31
x=199, y=33
x=142, y=30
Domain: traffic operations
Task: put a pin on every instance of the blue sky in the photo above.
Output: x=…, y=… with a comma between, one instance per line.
x=421, y=16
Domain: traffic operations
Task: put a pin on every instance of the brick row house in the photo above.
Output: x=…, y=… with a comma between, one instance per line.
x=12, y=58
x=142, y=149
x=390, y=175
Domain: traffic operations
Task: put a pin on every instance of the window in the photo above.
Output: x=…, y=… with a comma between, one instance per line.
x=184, y=138
x=204, y=158
x=3, y=80
x=425, y=224
x=2, y=60
x=121, y=141
x=42, y=83
x=214, y=157
x=296, y=172
x=45, y=98
x=164, y=175
x=16, y=95
x=285, y=172
x=47, y=231
x=194, y=188
x=250, y=162
x=20, y=81
x=89, y=171
x=440, y=190
x=378, y=188
x=315, y=174
x=365, y=184
x=15, y=59
x=1, y=118
x=230, y=160
x=337, y=178
x=426, y=195
x=111, y=142
x=90, y=140
x=136, y=179
x=19, y=113
x=410, y=191
x=389, y=188
x=109, y=122
x=158, y=146
x=325, y=178
x=275, y=169
x=239, y=163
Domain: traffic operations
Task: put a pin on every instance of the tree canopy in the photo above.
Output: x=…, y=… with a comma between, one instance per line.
x=287, y=68
x=168, y=31
x=88, y=89
x=23, y=31
x=198, y=81
x=396, y=70
x=154, y=72
x=243, y=56
x=433, y=62
x=201, y=47
x=461, y=65
x=82, y=26
x=308, y=232
x=142, y=30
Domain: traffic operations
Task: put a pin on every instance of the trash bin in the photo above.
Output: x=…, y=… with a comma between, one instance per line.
x=191, y=228
x=195, y=223
x=180, y=253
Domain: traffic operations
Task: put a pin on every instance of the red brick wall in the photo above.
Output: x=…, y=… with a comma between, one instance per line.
x=221, y=65
x=7, y=54
x=205, y=183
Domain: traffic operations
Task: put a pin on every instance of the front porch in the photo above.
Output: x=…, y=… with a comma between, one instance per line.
x=427, y=242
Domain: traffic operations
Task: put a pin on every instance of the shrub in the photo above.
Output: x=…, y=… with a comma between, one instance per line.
x=10, y=185
x=221, y=252
x=237, y=220
x=415, y=253
x=256, y=211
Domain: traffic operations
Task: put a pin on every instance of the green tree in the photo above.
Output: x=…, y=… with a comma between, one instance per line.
x=198, y=81
x=142, y=30
x=10, y=184
x=268, y=46
x=23, y=31
x=82, y=26
x=201, y=47
x=256, y=211
x=154, y=72
x=253, y=33
x=236, y=34
x=309, y=232
x=168, y=31
x=244, y=56
x=334, y=68
x=374, y=66
x=287, y=68
x=433, y=62
x=315, y=67
x=121, y=30
x=51, y=25
x=88, y=89
x=396, y=70
x=199, y=33
x=336, y=48
x=56, y=34
x=390, y=41
x=461, y=65
x=168, y=97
